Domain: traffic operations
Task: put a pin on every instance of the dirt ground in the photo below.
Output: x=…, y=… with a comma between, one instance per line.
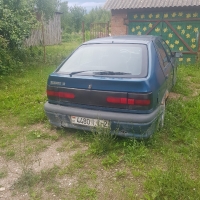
x=44, y=160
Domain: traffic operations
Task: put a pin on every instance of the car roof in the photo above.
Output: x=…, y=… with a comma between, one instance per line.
x=141, y=39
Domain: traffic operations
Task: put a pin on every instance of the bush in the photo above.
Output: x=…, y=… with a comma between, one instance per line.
x=66, y=37
x=7, y=63
x=12, y=60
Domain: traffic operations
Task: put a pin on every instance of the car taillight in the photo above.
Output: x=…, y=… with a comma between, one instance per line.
x=132, y=100
x=116, y=100
x=137, y=102
x=142, y=102
x=66, y=95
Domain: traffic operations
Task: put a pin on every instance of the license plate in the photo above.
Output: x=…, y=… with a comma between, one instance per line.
x=89, y=122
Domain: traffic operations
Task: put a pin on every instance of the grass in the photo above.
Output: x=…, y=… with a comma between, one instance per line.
x=99, y=165
x=27, y=105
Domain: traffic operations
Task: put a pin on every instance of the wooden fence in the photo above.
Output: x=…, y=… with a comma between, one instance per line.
x=49, y=34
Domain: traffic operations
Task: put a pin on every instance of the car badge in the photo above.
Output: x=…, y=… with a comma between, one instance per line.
x=90, y=86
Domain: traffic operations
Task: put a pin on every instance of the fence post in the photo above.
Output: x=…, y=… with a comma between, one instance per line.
x=83, y=31
x=108, y=26
x=198, y=53
x=91, y=31
x=43, y=37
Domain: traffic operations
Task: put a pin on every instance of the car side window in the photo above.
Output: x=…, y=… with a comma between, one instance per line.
x=166, y=48
x=162, y=54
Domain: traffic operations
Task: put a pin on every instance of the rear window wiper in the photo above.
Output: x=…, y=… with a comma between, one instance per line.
x=77, y=72
x=111, y=73
x=99, y=72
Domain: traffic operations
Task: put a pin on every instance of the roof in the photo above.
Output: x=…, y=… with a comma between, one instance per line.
x=139, y=4
x=143, y=39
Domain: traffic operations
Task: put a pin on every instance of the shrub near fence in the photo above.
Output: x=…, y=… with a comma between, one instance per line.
x=73, y=37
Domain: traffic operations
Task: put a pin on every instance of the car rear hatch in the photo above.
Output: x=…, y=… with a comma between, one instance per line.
x=99, y=92
x=103, y=76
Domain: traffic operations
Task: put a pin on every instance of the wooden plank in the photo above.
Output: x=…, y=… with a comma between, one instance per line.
x=149, y=31
x=177, y=34
x=154, y=20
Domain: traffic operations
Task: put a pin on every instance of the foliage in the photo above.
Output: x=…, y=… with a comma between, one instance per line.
x=167, y=166
x=14, y=99
x=172, y=184
x=17, y=20
x=72, y=17
x=66, y=37
x=103, y=140
x=7, y=63
x=65, y=17
x=97, y=14
x=77, y=14
x=46, y=7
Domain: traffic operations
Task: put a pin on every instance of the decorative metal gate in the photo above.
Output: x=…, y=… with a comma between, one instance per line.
x=98, y=30
x=179, y=29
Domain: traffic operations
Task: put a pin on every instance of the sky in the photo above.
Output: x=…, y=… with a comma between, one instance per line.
x=88, y=4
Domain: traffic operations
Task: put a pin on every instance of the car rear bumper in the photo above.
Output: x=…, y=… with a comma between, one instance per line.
x=126, y=124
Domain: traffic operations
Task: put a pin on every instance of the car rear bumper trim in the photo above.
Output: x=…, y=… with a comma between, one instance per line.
x=106, y=115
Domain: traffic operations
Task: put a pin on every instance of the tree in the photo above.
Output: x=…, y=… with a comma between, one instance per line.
x=17, y=18
x=72, y=17
x=46, y=7
x=97, y=14
x=77, y=14
x=65, y=17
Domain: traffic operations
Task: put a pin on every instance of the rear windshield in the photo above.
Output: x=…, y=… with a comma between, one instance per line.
x=125, y=58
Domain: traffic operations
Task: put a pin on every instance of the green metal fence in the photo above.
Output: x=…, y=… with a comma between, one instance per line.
x=179, y=29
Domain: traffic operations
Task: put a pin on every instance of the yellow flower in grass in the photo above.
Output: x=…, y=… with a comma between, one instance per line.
x=133, y=30
x=180, y=14
x=167, y=41
x=135, y=16
x=145, y=28
x=150, y=25
x=157, y=29
x=188, y=15
x=157, y=16
x=193, y=46
x=183, y=32
x=170, y=35
x=166, y=15
x=179, y=27
x=189, y=27
x=188, y=35
x=180, y=59
x=165, y=30
x=180, y=48
x=139, y=33
x=176, y=42
x=196, y=30
x=195, y=14
x=142, y=16
x=150, y=16
x=174, y=14
x=171, y=46
x=193, y=40
x=188, y=59
x=137, y=27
